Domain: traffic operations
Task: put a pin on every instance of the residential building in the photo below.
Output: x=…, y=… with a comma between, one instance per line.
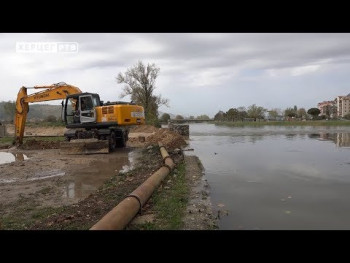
x=327, y=108
x=343, y=105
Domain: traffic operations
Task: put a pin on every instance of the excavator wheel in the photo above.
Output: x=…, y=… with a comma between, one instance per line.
x=112, y=141
x=121, y=143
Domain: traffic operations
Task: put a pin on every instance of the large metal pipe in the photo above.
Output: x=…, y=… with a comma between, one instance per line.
x=120, y=216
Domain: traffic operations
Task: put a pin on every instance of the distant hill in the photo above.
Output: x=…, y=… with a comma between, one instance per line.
x=41, y=111
x=36, y=111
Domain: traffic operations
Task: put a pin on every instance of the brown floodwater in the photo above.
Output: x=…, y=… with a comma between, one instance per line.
x=280, y=178
x=88, y=179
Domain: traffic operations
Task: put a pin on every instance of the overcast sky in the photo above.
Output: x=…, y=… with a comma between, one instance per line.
x=199, y=73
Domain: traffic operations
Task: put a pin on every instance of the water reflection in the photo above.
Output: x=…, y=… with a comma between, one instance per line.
x=88, y=180
x=276, y=177
x=290, y=136
x=340, y=139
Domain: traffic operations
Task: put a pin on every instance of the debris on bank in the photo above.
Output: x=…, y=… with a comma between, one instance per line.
x=144, y=128
x=171, y=140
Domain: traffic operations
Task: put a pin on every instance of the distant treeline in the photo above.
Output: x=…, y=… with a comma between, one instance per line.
x=37, y=112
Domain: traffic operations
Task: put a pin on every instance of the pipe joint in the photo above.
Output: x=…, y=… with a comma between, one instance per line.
x=138, y=199
x=167, y=166
x=166, y=157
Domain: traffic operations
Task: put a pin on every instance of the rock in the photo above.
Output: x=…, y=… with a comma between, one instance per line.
x=177, y=150
x=166, y=187
x=149, y=147
x=141, y=138
x=204, y=193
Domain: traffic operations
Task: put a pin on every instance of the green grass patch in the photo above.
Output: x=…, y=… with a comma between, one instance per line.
x=284, y=123
x=26, y=213
x=6, y=140
x=170, y=204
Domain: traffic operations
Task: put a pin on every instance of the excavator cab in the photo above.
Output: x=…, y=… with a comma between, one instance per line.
x=80, y=109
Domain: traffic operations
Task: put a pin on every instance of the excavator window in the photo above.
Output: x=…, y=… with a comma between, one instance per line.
x=88, y=113
x=72, y=111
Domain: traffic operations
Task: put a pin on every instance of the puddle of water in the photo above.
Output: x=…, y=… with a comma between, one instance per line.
x=90, y=178
x=47, y=174
x=6, y=157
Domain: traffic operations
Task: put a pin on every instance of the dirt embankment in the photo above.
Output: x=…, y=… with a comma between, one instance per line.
x=147, y=135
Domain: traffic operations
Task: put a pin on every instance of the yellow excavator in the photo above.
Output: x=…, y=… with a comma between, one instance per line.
x=92, y=126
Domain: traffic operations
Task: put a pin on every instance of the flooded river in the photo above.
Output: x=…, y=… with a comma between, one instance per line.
x=276, y=177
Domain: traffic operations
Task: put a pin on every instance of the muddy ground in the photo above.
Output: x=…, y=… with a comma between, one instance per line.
x=43, y=189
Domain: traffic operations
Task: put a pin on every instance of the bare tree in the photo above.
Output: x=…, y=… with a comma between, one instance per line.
x=139, y=83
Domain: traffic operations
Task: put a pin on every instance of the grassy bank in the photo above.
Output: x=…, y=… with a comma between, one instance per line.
x=169, y=203
x=284, y=123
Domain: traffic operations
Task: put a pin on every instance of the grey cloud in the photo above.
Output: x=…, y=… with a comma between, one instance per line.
x=190, y=61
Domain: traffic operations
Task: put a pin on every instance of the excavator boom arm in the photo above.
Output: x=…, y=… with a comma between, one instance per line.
x=52, y=92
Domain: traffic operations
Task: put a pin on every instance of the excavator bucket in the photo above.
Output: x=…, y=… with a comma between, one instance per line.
x=84, y=146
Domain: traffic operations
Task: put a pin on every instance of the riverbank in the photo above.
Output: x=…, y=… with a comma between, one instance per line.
x=284, y=123
x=50, y=200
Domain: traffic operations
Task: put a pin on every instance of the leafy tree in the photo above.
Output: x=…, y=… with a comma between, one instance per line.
x=256, y=112
x=330, y=110
x=165, y=117
x=220, y=116
x=242, y=113
x=232, y=114
x=139, y=83
x=314, y=112
x=347, y=116
x=290, y=112
x=273, y=114
x=301, y=113
x=191, y=117
x=203, y=117
x=179, y=117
